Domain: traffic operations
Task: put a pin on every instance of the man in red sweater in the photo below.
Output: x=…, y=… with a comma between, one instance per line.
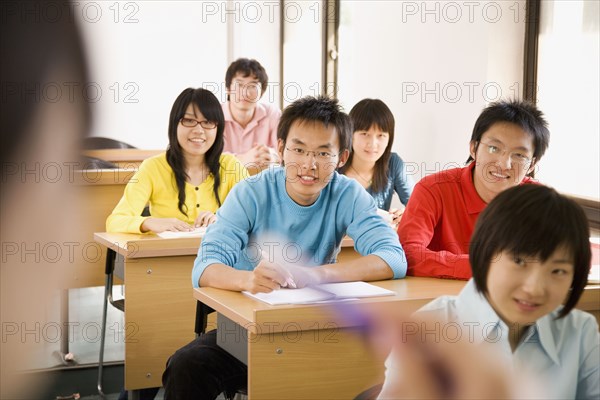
x=508, y=139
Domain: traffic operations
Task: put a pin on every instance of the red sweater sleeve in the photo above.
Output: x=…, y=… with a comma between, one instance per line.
x=418, y=226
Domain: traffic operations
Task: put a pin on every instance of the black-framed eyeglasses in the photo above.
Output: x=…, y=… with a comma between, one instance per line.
x=515, y=156
x=319, y=155
x=191, y=123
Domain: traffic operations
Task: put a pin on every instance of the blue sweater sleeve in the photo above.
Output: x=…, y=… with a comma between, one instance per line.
x=403, y=183
x=372, y=235
x=225, y=239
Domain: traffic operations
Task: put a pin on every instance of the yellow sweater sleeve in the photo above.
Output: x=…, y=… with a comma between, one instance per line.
x=126, y=217
x=154, y=184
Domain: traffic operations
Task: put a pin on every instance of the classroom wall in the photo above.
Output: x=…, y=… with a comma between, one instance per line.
x=435, y=65
x=143, y=54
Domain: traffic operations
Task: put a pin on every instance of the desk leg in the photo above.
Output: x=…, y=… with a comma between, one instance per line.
x=324, y=364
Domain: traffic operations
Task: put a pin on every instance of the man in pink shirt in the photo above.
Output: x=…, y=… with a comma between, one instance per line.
x=250, y=126
x=508, y=140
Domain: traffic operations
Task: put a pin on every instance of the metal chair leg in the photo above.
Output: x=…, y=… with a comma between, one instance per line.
x=103, y=334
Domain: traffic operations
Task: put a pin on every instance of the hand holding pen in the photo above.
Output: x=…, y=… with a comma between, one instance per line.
x=284, y=275
x=268, y=276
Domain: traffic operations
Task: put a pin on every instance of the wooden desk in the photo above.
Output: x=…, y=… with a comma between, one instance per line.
x=124, y=158
x=309, y=351
x=160, y=310
x=99, y=192
x=160, y=315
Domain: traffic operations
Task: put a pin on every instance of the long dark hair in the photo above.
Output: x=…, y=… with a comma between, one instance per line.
x=210, y=107
x=369, y=113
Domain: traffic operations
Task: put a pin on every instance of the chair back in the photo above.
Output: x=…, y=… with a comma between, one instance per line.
x=99, y=143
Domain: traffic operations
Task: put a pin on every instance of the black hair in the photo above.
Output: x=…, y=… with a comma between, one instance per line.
x=210, y=107
x=374, y=113
x=247, y=67
x=532, y=220
x=317, y=109
x=524, y=114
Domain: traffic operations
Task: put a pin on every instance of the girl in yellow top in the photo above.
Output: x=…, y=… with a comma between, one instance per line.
x=184, y=186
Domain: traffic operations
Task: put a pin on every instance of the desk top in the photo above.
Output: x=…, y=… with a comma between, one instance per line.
x=98, y=177
x=257, y=317
x=411, y=294
x=132, y=245
x=122, y=155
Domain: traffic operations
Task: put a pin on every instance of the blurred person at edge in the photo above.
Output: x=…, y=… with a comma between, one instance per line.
x=36, y=132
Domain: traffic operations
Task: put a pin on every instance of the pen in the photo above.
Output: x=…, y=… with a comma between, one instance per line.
x=289, y=280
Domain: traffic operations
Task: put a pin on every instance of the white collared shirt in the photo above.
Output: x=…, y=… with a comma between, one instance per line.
x=561, y=355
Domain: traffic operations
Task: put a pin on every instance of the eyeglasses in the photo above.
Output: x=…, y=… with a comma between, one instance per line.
x=319, y=155
x=191, y=123
x=515, y=157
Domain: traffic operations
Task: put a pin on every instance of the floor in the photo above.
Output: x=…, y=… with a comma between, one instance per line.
x=84, y=323
x=81, y=340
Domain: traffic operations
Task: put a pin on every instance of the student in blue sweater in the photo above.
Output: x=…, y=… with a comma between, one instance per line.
x=282, y=228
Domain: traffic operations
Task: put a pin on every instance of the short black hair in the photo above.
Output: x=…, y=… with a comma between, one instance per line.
x=317, y=109
x=532, y=220
x=247, y=67
x=524, y=114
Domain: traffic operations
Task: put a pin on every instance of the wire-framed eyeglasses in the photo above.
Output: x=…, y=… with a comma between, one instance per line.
x=515, y=156
x=319, y=155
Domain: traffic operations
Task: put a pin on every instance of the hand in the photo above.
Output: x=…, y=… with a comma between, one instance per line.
x=275, y=159
x=205, y=218
x=301, y=276
x=258, y=156
x=428, y=367
x=397, y=213
x=158, y=225
x=265, y=278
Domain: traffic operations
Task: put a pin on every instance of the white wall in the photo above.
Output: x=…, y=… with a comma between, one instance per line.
x=255, y=34
x=390, y=49
x=568, y=93
x=155, y=49
x=302, y=49
x=435, y=64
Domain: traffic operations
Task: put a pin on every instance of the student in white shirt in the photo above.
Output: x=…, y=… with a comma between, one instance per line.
x=530, y=255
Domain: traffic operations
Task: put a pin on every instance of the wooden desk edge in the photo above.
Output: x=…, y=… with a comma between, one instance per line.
x=122, y=154
x=304, y=316
x=229, y=312
x=149, y=245
x=95, y=177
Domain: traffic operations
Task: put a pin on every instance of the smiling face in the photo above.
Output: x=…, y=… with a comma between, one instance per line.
x=310, y=154
x=496, y=156
x=196, y=141
x=244, y=92
x=522, y=289
x=369, y=145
